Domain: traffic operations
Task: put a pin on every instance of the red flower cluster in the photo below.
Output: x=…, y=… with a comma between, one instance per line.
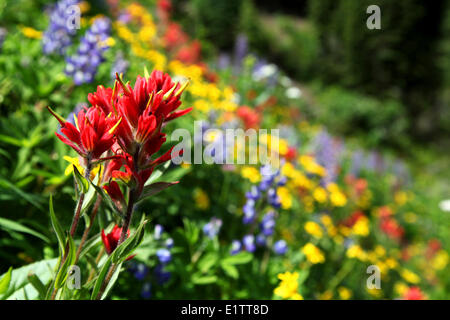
x=391, y=227
x=414, y=293
x=249, y=116
x=126, y=121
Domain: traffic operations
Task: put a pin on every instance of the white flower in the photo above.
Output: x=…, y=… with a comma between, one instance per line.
x=293, y=93
x=445, y=205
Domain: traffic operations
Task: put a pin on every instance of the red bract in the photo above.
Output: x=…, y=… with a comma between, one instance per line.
x=111, y=240
x=92, y=135
x=102, y=98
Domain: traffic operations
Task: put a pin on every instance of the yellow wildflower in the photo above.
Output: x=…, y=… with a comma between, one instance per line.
x=313, y=254
x=355, y=251
x=400, y=288
x=338, y=199
x=401, y=197
x=344, y=293
x=251, y=173
x=288, y=286
x=201, y=199
x=313, y=229
x=440, y=260
x=31, y=33
x=311, y=166
x=361, y=227
x=285, y=197
x=320, y=194
x=410, y=276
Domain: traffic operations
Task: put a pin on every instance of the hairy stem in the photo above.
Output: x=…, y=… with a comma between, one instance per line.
x=76, y=218
x=88, y=228
x=123, y=236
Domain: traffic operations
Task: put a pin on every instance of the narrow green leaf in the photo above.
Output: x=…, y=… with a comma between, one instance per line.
x=71, y=256
x=101, y=277
x=158, y=172
x=130, y=244
x=230, y=270
x=15, y=226
x=38, y=285
x=239, y=258
x=56, y=226
x=4, y=281
x=155, y=188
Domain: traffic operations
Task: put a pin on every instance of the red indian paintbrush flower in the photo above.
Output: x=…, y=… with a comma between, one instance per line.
x=111, y=240
x=92, y=134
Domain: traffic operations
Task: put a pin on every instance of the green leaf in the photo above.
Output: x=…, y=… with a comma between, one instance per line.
x=70, y=260
x=107, y=199
x=90, y=244
x=130, y=244
x=82, y=182
x=38, y=285
x=101, y=277
x=20, y=287
x=239, y=258
x=4, y=281
x=230, y=270
x=155, y=188
x=202, y=280
x=56, y=226
x=89, y=197
x=15, y=226
x=207, y=261
x=158, y=172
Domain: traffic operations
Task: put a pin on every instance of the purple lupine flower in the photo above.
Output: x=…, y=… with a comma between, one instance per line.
x=249, y=242
x=249, y=211
x=3, y=33
x=60, y=31
x=253, y=194
x=169, y=243
x=273, y=199
x=140, y=271
x=356, y=163
x=223, y=61
x=240, y=52
x=163, y=255
x=158, y=231
x=211, y=229
x=146, y=291
x=327, y=151
x=236, y=247
x=371, y=161
x=83, y=65
x=268, y=176
x=260, y=240
x=120, y=65
x=162, y=275
x=268, y=223
x=280, y=247
x=282, y=180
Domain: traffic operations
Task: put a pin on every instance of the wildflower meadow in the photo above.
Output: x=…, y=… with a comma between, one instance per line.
x=197, y=149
